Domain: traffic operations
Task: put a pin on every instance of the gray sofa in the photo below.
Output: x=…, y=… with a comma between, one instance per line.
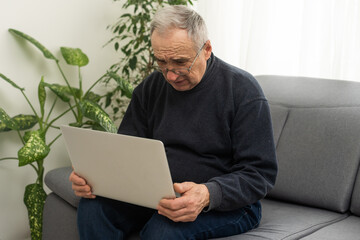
x=316, y=126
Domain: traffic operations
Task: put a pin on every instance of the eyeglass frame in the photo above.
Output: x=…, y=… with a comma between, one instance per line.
x=176, y=70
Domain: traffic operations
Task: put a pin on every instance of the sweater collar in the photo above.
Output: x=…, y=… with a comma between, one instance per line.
x=210, y=63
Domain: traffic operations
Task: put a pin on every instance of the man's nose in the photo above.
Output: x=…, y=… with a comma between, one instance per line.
x=171, y=76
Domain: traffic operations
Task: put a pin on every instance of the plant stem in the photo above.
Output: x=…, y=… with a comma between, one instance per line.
x=40, y=172
x=54, y=140
x=71, y=90
x=52, y=121
x=51, y=109
x=94, y=84
x=22, y=140
x=80, y=82
x=72, y=110
x=29, y=103
x=80, y=116
x=66, y=81
x=55, y=127
x=9, y=158
x=34, y=167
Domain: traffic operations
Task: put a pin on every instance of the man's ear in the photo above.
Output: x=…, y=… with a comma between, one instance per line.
x=208, y=49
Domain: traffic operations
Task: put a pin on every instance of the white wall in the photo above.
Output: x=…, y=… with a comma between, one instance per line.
x=71, y=23
x=310, y=38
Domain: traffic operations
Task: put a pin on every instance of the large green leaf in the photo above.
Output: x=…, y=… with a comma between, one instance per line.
x=3, y=127
x=126, y=88
x=91, y=96
x=74, y=56
x=22, y=122
x=42, y=95
x=11, y=82
x=37, y=44
x=34, y=199
x=7, y=120
x=27, y=136
x=60, y=91
x=63, y=92
x=35, y=149
x=94, y=125
x=94, y=112
x=25, y=122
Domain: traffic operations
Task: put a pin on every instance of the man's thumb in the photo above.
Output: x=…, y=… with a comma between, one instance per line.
x=181, y=187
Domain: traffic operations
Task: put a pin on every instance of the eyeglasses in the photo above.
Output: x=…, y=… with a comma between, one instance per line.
x=179, y=71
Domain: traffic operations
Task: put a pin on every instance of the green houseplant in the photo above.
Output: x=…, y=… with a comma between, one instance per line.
x=132, y=37
x=33, y=129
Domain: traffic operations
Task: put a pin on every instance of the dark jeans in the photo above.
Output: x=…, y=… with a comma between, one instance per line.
x=103, y=218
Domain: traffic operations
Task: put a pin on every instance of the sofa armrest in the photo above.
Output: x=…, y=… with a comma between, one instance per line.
x=58, y=182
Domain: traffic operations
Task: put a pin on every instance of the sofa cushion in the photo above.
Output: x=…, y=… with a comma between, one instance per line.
x=347, y=229
x=318, y=155
x=355, y=200
x=288, y=221
x=309, y=92
x=58, y=181
x=59, y=219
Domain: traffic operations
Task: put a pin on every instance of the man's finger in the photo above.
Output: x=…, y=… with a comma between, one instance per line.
x=76, y=179
x=85, y=194
x=80, y=188
x=173, y=204
x=181, y=215
x=182, y=187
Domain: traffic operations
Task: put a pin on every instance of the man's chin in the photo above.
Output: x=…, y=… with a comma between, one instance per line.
x=181, y=86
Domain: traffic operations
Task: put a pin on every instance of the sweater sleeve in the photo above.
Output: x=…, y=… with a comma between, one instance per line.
x=254, y=169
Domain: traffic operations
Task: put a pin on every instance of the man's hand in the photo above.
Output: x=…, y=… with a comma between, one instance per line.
x=80, y=187
x=194, y=198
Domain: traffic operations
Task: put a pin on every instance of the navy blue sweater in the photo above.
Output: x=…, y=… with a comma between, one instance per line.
x=219, y=133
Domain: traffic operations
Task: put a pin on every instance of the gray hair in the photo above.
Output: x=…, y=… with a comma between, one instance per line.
x=182, y=17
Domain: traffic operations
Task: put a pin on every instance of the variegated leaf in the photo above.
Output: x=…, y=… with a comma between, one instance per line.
x=27, y=135
x=11, y=82
x=37, y=44
x=91, y=96
x=34, y=199
x=94, y=125
x=42, y=95
x=63, y=92
x=6, y=119
x=35, y=149
x=74, y=56
x=126, y=88
x=3, y=127
x=94, y=112
x=25, y=122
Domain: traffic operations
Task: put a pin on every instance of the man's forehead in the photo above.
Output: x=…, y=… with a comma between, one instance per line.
x=174, y=43
x=173, y=51
x=172, y=56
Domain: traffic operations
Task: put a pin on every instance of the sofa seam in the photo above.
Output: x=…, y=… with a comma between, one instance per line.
x=283, y=127
x=357, y=175
x=312, y=107
x=326, y=224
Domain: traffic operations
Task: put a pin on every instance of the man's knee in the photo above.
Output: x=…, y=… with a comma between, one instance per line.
x=88, y=209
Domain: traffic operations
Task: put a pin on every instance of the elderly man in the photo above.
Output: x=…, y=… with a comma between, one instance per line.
x=215, y=124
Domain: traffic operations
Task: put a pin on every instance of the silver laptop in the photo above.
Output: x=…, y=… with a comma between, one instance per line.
x=121, y=167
